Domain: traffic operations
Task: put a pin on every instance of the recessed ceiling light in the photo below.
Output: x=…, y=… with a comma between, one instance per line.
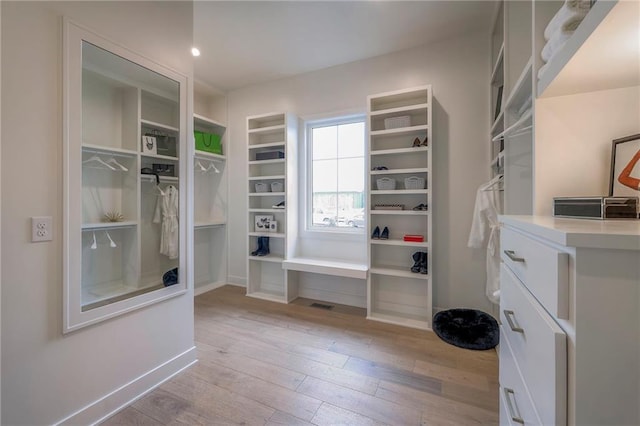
x=195, y=51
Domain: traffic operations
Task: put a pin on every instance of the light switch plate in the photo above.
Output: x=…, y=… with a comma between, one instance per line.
x=41, y=228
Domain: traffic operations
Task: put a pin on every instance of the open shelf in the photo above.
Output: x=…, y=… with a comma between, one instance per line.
x=400, y=171
x=400, y=212
x=391, y=112
x=399, y=191
x=400, y=131
x=212, y=224
x=409, y=150
x=108, y=225
x=148, y=123
x=392, y=242
x=393, y=271
x=210, y=156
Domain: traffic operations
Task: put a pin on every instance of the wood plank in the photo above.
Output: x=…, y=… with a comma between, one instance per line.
x=436, y=409
x=163, y=406
x=361, y=403
x=452, y=375
x=302, y=365
x=393, y=374
x=283, y=419
x=374, y=354
x=131, y=417
x=271, y=373
x=265, y=393
x=215, y=403
x=329, y=414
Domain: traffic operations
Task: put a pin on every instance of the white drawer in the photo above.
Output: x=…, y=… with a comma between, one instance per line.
x=543, y=269
x=539, y=348
x=516, y=407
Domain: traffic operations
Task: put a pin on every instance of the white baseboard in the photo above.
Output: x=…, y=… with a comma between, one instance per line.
x=238, y=281
x=120, y=398
x=207, y=287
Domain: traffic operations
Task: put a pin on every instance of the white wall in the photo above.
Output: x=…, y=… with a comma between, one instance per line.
x=46, y=376
x=459, y=72
x=573, y=142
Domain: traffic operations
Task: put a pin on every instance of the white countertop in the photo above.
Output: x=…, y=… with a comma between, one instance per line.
x=607, y=234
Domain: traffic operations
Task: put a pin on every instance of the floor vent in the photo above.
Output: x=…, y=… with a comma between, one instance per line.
x=321, y=306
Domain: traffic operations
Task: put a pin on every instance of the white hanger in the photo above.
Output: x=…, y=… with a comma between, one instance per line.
x=94, y=244
x=201, y=167
x=113, y=161
x=111, y=243
x=212, y=165
x=497, y=180
x=96, y=159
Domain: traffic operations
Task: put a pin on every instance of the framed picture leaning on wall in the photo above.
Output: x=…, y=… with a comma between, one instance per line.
x=625, y=167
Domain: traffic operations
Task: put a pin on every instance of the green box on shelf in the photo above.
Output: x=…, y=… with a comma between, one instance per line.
x=208, y=142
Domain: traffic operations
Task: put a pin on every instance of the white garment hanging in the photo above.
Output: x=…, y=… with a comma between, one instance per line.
x=167, y=206
x=485, y=229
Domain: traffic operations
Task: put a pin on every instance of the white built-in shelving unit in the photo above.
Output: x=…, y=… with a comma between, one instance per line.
x=274, y=132
x=394, y=293
x=113, y=98
x=209, y=210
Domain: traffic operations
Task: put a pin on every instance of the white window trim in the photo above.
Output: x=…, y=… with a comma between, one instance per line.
x=306, y=230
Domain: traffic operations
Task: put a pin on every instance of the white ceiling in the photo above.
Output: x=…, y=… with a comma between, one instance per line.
x=247, y=42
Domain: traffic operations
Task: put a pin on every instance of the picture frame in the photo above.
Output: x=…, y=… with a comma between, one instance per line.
x=625, y=167
x=262, y=222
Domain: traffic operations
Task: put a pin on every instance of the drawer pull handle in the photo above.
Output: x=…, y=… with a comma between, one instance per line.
x=508, y=314
x=515, y=417
x=512, y=255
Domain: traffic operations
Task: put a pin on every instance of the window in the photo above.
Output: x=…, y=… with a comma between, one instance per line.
x=336, y=175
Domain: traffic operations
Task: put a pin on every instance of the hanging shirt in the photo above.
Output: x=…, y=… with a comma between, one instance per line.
x=167, y=211
x=485, y=232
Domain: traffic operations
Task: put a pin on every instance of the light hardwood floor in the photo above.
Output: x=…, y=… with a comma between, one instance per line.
x=264, y=363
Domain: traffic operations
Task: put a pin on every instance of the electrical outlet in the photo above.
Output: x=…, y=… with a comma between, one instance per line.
x=41, y=228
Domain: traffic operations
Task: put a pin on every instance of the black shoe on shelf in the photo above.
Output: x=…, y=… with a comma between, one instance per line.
x=385, y=234
x=426, y=141
x=420, y=207
x=280, y=205
x=376, y=233
x=416, y=142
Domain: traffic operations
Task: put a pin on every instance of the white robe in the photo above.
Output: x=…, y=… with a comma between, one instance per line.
x=167, y=206
x=485, y=229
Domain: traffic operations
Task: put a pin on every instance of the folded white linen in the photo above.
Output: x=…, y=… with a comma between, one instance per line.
x=568, y=17
x=554, y=44
x=543, y=69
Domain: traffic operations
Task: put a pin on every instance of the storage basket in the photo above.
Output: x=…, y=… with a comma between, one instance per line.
x=277, y=187
x=386, y=184
x=262, y=187
x=414, y=182
x=397, y=122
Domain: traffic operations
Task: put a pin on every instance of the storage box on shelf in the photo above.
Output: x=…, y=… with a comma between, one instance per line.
x=272, y=187
x=400, y=154
x=210, y=200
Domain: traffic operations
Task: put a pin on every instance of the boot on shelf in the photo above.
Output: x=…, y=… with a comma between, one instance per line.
x=423, y=263
x=417, y=261
x=265, y=247
x=259, y=248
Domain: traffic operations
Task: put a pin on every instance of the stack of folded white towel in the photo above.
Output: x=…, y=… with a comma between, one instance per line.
x=561, y=28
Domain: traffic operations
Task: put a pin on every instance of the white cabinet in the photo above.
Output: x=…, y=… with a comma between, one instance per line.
x=570, y=316
x=272, y=190
x=112, y=232
x=399, y=194
x=209, y=210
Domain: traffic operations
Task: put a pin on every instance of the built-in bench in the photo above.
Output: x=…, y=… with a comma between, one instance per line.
x=327, y=267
